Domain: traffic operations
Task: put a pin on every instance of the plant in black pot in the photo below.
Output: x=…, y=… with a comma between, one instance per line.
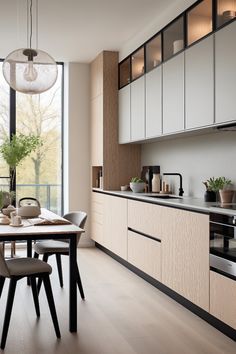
x=215, y=186
x=210, y=193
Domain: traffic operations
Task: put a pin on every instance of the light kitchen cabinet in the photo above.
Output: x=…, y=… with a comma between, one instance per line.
x=115, y=225
x=185, y=254
x=145, y=218
x=222, y=298
x=118, y=163
x=199, y=84
x=137, y=103
x=145, y=254
x=225, y=73
x=97, y=212
x=154, y=103
x=124, y=115
x=173, y=94
x=109, y=222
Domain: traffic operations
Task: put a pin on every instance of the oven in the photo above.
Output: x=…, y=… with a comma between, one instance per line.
x=223, y=244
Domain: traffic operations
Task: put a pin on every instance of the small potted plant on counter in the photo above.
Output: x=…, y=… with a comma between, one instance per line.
x=218, y=185
x=137, y=185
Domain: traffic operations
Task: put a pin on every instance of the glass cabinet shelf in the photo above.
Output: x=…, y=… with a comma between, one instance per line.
x=124, y=73
x=153, y=53
x=137, y=63
x=226, y=12
x=173, y=38
x=199, y=21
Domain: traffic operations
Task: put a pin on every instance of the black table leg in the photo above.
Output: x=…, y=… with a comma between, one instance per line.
x=29, y=254
x=73, y=285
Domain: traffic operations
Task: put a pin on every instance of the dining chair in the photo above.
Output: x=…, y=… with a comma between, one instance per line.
x=16, y=269
x=61, y=247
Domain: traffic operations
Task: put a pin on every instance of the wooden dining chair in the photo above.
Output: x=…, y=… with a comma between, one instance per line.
x=61, y=247
x=16, y=269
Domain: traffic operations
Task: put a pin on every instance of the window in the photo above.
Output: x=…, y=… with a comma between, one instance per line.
x=40, y=175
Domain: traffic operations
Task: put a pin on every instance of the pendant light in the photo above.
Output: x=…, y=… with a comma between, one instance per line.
x=27, y=70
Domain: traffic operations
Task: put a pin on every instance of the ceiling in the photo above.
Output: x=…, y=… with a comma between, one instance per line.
x=77, y=30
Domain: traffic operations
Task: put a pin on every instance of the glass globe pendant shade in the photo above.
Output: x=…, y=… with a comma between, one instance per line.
x=30, y=71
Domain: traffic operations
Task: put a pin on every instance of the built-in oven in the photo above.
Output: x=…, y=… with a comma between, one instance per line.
x=223, y=244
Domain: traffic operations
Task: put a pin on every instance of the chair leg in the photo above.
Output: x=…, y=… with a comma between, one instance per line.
x=36, y=255
x=58, y=258
x=48, y=290
x=35, y=295
x=2, y=281
x=10, y=298
x=13, y=249
x=79, y=283
x=45, y=259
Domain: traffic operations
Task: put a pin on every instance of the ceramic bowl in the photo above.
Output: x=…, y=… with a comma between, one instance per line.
x=137, y=187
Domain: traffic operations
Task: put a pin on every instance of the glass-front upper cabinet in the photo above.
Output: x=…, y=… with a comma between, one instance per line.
x=199, y=21
x=226, y=11
x=153, y=53
x=137, y=63
x=173, y=38
x=124, y=72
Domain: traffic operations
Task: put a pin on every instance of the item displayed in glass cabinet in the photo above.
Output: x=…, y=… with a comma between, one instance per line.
x=124, y=73
x=199, y=21
x=153, y=53
x=173, y=38
x=137, y=63
x=226, y=12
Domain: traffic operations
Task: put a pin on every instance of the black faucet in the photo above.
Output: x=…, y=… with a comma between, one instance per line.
x=181, y=191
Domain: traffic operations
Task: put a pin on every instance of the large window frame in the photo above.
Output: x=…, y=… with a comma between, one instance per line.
x=12, y=130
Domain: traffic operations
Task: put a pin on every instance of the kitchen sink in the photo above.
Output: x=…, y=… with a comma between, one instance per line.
x=164, y=196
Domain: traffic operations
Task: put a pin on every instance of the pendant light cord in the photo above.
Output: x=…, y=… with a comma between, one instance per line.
x=31, y=23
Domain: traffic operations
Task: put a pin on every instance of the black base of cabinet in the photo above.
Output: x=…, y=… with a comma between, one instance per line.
x=221, y=326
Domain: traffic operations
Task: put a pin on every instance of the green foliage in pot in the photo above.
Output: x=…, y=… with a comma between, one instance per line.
x=136, y=180
x=16, y=149
x=215, y=184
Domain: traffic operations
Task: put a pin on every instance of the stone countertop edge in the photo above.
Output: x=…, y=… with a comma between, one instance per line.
x=187, y=203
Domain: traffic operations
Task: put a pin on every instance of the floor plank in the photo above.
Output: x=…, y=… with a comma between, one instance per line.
x=122, y=314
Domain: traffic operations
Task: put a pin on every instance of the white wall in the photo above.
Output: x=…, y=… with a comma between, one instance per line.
x=196, y=158
x=77, y=141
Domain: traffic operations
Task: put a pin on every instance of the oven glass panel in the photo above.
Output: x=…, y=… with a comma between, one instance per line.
x=222, y=241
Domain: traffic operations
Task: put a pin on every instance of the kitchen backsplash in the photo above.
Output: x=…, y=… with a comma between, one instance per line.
x=196, y=158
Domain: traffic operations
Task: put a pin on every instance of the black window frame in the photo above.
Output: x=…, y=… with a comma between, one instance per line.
x=12, y=130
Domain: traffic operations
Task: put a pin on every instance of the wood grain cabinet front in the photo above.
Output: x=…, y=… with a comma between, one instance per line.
x=145, y=254
x=222, y=298
x=145, y=218
x=97, y=211
x=185, y=254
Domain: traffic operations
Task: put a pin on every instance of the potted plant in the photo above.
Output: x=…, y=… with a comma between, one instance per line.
x=137, y=185
x=218, y=185
x=16, y=149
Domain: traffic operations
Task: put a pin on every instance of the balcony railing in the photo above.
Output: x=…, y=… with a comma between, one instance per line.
x=49, y=195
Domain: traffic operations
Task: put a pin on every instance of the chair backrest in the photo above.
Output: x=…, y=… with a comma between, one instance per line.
x=77, y=218
x=4, y=271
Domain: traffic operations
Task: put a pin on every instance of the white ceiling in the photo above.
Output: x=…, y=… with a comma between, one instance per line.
x=77, y=30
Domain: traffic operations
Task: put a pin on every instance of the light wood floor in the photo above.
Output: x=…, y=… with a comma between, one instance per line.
x=122, y=314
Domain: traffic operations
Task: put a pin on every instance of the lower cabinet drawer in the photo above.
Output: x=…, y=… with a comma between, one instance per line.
x=223, y=298
x=145, y=254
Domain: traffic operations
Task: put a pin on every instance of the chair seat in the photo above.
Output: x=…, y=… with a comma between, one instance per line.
x=51, y=246
x=27, y=266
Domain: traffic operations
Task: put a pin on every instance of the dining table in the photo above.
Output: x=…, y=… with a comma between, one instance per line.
x=32, y=230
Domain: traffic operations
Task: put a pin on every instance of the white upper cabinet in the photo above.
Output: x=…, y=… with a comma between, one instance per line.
x=154, y=102
x=173, y=94
x=124, y=115
x=199, y=84
x=225, y=73
x=138, y=109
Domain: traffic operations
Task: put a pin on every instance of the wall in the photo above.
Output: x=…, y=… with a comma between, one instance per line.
x=196, y=158
x=77, y=141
